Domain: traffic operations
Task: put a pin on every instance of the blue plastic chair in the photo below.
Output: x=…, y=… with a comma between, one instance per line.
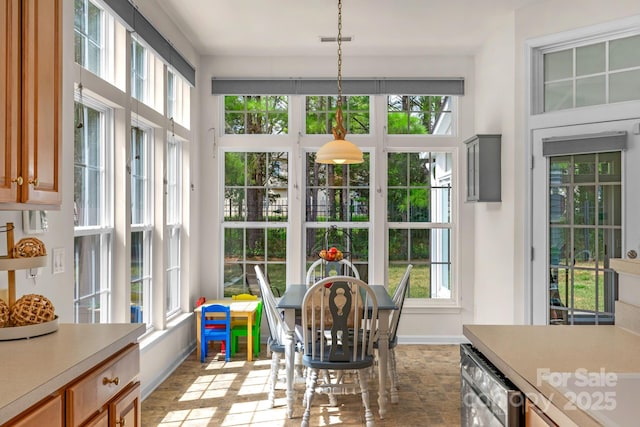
x=215, y=329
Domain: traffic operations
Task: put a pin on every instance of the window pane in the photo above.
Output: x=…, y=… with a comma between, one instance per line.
x=91, y=278
x=89, y=168
x=419, y=115
x=591, y=91
x=591, y=59
x=139, y=177
x=558, y=96
x=624, y=86
x=320, y=114
x=558, y=65
x=623, y=53
x=256, y=115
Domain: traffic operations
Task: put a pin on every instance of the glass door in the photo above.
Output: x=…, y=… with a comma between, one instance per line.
x=584, y=212
x=584, y=229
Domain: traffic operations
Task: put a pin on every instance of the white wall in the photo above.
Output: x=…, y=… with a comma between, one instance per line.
x=494, y=278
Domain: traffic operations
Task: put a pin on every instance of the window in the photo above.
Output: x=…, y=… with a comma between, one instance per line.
x=93, y=228
x=178, y=99
x=256, y=216
x=104, y=265
x=338, y=196
x=89, y=36
x=141, y=225
x=256, y=115
x=174, y=224
x=592, y=74
x=424, y=115
x=419, y=215
x=321, y=114
x=139, y=85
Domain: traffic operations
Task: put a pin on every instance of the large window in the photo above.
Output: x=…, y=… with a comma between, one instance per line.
x=256, y=215
x=338, y=197
x=419, y=221
x=141, y=225
x=256, y=115
x=391, y=210
x=92, y=202
x=592, y=74
x=114, y=161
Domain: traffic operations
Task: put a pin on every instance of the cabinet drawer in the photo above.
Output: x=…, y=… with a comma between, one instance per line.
x=100, y=385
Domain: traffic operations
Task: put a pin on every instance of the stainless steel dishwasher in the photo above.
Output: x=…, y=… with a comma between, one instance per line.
x=488, y=398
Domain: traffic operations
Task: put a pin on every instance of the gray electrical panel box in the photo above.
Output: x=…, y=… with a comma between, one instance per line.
x=483, y=168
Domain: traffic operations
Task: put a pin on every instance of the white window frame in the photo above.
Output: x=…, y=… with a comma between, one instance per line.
x=105, y=230
x=173, y=209
x=444, y=300
x=146, y=227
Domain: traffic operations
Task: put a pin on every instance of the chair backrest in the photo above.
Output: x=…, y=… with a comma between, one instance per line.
x=244, y=297
x=326, y=307
x=398, y=299
x=322, y=268
x=277, y=327
x=215, y=325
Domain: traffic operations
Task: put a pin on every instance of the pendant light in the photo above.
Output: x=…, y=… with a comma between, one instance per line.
x=339, y=151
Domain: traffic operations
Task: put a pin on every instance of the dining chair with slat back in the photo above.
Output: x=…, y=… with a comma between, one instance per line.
x=339, y=314
x=322, y=268
x=215, y=328
x=277, y=332
x=399, y=297
x=239, y=327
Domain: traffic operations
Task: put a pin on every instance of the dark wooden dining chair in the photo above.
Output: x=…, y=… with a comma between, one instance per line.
x=339, y=315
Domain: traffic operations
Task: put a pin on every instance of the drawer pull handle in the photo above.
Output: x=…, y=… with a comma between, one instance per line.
x=106, y=381
x=120, y=422
x=18, y=180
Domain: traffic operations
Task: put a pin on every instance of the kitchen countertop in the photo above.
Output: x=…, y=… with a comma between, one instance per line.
x=32, y=369
x=525, y=353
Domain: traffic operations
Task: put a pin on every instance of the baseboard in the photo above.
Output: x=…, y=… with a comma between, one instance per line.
x=150, y=386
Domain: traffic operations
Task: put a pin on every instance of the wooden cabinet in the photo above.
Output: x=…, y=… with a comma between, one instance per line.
x=105, y=388
x=30, y=117
x=483, y=168
x=47, y=413
x=106, y=396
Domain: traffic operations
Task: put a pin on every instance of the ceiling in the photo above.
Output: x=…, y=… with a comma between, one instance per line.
x=378, y=27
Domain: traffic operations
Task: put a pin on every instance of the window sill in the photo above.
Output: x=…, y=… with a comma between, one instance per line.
x=428, y=307
x=150, y=338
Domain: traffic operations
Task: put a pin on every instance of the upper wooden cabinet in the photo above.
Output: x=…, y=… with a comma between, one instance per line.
x=30, y=116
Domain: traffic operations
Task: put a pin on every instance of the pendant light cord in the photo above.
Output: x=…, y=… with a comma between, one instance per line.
x=339, y=131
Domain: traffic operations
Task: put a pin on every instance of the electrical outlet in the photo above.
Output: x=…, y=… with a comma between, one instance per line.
x=57, y=264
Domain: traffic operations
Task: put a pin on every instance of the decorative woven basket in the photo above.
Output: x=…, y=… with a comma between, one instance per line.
x=29, y=247
x=4, y=314
x=31, y=309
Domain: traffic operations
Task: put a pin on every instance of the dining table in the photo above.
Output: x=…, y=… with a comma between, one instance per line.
x=240, y=309
x=291, y=302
